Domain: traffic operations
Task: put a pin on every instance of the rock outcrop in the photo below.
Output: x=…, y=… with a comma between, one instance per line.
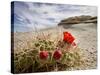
x=79, y=19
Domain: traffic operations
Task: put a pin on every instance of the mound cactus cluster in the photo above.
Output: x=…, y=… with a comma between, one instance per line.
x=57, y=54
x=46, y=52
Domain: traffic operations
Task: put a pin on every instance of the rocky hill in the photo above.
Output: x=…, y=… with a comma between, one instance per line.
x=78, y=19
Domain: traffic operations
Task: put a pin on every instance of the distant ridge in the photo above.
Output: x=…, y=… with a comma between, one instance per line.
x=78, y=19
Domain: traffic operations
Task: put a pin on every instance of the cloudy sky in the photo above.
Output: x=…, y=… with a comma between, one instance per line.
x=29, y=16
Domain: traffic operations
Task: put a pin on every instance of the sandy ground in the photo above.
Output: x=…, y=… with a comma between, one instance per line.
x=85, y=34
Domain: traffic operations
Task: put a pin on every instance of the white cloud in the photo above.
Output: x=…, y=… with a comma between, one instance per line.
x=39, y=13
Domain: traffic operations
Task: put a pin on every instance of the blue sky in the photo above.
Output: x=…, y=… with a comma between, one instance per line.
x=30, y=15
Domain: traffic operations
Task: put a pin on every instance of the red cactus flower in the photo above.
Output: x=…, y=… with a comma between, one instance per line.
x=68, y=37
x=43, y=55
x=57, y=54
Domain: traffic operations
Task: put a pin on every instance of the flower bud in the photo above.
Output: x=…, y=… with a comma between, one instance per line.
x=43, y=55
x=57, y=54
